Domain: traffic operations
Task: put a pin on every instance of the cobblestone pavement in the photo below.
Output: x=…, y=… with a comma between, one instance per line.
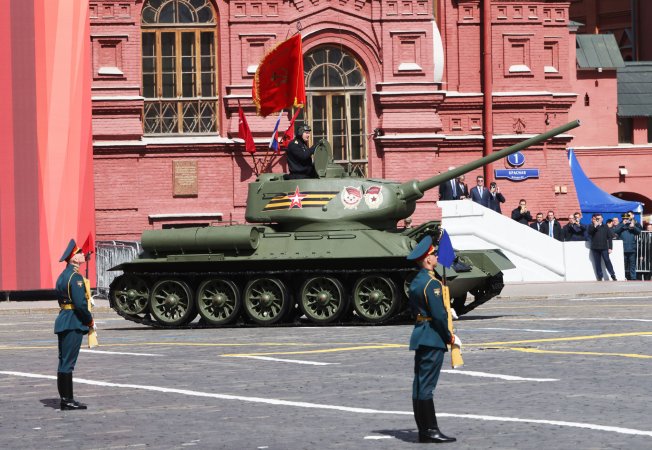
x=572, y=373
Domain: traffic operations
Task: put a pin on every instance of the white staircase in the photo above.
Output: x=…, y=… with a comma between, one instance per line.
x=537, y=257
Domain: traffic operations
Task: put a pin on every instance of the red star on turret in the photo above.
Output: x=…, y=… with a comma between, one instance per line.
x=295, y=200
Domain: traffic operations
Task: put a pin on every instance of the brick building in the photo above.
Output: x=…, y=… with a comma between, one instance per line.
x=403, y=90
x=616, y=101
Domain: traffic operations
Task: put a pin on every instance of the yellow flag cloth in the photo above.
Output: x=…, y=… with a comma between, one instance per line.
x=92, y=334
x=456, y=353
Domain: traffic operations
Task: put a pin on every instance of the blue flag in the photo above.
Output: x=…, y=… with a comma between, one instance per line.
x=445, y=254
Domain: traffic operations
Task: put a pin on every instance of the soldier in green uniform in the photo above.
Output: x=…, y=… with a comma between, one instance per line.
x=72, y=323
x=429, y=339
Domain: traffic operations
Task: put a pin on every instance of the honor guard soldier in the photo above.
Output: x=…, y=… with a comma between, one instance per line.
x=429, y=339
x=299, y=155
x=72, y=323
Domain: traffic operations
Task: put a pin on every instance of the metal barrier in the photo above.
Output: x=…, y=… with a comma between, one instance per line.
x=110, y=254
x=644, y=253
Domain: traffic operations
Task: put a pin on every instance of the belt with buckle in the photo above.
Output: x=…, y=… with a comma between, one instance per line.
x=421, y=318
x=67, y=306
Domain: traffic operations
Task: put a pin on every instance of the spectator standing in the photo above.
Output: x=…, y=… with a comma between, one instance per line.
x=450, y=189
x=537, y=224
x=551, y=226
x=521, y=214
x=645, y=254
x=479, y=193
x=628, y=231
x=464, y=189
x=573, y=230
x=578, y=220
x=601, y=246
x=495, y=197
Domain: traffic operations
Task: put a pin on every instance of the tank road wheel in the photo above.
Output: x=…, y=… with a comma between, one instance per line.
x=375, y=298
x=407, y=281
x=266, y=300
x=323, y=299
x=129, y=294
x=171, y=302
x=218, y=301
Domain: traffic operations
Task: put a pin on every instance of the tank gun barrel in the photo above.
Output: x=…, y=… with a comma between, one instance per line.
x=413, y=190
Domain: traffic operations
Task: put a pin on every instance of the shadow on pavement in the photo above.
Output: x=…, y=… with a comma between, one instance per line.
x=54, y=403
x=403, y=435
x=465, y=318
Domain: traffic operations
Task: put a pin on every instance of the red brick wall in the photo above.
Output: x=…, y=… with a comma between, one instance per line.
x=417, y=113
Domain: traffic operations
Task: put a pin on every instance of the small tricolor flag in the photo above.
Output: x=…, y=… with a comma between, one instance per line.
x=273, y=143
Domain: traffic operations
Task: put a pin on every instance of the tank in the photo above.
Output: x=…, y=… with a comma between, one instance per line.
x=329, y=249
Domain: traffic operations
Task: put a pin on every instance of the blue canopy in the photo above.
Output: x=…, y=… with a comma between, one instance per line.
x=594, y=200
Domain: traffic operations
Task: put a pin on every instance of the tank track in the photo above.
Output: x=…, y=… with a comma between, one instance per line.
x=145, y=319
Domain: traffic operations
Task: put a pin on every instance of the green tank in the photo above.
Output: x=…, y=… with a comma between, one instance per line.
x=329, y=249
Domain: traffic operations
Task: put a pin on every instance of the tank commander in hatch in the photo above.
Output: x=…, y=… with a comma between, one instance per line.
x=299, y=155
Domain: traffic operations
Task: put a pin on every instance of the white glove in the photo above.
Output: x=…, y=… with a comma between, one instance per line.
x=457, y=341
x=454, y=314
x=92, y=302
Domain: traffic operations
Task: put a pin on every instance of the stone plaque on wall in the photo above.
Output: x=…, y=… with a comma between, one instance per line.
x=184, y=178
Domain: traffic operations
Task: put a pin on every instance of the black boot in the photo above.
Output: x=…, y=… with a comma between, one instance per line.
x=67, y=400
x=430, y=433
x=417, y=418
x=60, y=384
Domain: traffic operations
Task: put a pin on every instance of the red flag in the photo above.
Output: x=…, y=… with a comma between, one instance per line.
x=245, y=133
x=289, y=133
x=279, y=82
x=89, y=245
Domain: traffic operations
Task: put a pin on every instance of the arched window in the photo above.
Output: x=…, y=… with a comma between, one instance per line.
x=336, y=99
x=179, y=67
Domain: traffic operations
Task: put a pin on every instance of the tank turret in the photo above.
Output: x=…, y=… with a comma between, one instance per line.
x=327, y=249
x=337, y=199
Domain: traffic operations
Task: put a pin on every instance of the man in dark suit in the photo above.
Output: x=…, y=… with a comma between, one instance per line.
x=537, y=224
x=72, y=323
x=551, y=226
x=521, y=214
x=495, y=198
x=479, y=193
x=573, y=230
x=464, y=189
x=450, y=190
x=429, y=339
x=601, y=237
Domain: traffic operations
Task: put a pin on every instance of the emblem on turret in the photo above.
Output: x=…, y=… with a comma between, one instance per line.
x=295, y=200
x=351, y=197
x=373, y=197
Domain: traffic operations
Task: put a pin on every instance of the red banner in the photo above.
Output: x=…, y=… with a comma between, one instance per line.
x=279, y=82
x=244, y=132
x=289, y=133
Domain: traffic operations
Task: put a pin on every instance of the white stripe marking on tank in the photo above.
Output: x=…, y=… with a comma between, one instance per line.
x=271, y=401
x=118, y=353
x=519, y=329
x=295, y=361
x=495, y=375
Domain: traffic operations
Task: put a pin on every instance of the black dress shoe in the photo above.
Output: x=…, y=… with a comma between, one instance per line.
x=71, y=405
x=436, y=436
